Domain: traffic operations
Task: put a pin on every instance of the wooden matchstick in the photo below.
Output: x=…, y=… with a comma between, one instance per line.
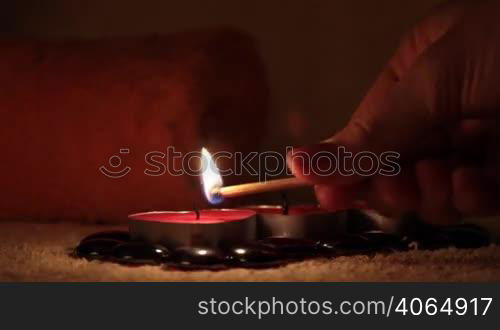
x=259, y=187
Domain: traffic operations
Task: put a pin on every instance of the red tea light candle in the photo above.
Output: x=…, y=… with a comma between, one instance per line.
x=207, y=228
x=301, y=221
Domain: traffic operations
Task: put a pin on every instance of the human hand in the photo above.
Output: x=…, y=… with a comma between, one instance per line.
x=437, y=104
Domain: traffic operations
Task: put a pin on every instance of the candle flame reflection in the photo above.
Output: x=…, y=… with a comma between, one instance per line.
x=211, y=178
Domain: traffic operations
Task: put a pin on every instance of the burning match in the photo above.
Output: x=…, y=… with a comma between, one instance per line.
x=215, y=192
x=257, y=188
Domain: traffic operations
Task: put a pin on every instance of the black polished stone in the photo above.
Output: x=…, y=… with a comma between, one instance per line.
x=356, y=221
x=139, y=253
x=198, y=256
x=252, y=255
x=348, y=245
x=384, y=241
x=118, y=235
x=434, y=239
x=467, y=236
x=290, y=247
x=99, y=248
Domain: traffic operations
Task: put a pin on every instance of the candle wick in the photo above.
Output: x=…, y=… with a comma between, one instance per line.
x=197, y=212
x=284, y=203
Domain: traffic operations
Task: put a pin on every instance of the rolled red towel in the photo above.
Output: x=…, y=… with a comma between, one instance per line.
x=67, y=107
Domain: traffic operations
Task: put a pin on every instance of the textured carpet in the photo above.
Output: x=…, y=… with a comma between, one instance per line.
x=38, y=252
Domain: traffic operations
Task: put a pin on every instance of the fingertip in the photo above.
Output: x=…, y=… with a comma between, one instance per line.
x=303, y=162
x=323, y=163
x=295, y=163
